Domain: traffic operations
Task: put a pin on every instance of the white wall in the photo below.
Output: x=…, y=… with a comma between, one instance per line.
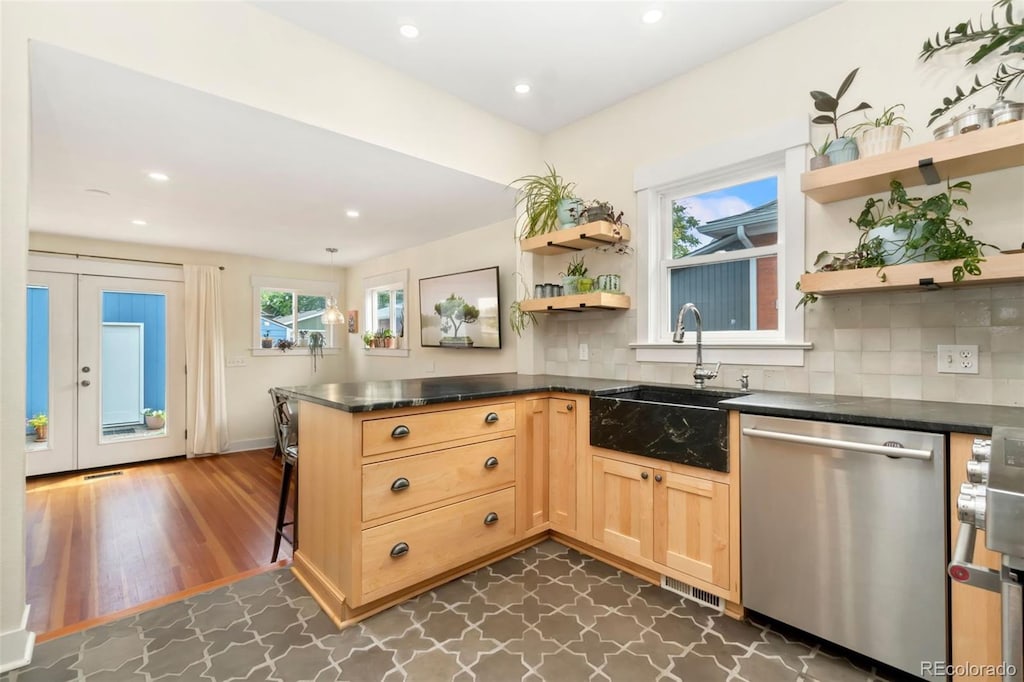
x=248, y=404
x=480, y=248
x=764, y=84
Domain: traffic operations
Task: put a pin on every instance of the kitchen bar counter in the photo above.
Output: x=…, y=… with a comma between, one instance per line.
x=887, y=412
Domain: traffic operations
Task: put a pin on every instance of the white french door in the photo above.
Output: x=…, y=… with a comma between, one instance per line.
x=131, y=359
x=101, y=352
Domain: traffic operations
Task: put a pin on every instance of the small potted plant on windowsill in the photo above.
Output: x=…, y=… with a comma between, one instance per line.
x=368, y=340
x=41, y=424
x=384, y=338
x=155, y=419
x=266, y=341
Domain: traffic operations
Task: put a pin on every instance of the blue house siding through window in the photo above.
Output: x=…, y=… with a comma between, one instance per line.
x=37, y=351
x=150, y=310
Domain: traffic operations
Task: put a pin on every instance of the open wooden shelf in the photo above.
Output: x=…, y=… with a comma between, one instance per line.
x=599, y=300
x=954, y=157
x=588, y=236
x=998, y=268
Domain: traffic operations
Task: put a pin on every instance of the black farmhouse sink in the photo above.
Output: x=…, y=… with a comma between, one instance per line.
x=671, y=423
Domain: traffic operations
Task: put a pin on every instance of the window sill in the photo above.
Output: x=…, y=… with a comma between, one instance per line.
x=388, y=352
x=302, y=350
x=734, y=353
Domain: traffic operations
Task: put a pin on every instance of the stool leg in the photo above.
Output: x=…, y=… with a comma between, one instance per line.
x=295, y=513
x=282, y=507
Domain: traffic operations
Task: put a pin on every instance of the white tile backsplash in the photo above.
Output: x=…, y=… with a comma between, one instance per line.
x=879, y=344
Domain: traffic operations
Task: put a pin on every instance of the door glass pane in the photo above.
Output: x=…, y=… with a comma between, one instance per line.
x=37, y=375
x=133, y=366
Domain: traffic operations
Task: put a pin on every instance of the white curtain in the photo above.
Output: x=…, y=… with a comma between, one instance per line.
x=204, y=347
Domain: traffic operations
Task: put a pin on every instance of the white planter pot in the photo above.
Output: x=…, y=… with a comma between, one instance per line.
x=875, y=141
x=895, y=250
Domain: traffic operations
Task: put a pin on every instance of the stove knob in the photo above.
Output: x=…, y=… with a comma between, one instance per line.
x=970, y=504
x=981, y=450
x=977, y=472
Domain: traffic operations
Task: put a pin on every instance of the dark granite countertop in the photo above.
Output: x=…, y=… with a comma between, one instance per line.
x=906, y=414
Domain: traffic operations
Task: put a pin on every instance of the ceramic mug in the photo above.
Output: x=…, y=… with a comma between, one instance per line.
x=609, y=282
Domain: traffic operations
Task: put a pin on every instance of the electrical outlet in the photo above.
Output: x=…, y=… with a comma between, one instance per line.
x=428, y=367
x=584, y=351
x=958, y=359
x=237, y=361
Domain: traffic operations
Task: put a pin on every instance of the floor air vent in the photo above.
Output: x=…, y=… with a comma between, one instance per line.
x=692, y=593
x=105, y=474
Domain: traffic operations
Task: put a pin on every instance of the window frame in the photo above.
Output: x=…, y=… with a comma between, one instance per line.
x=397, y=280
x=297, y=287
x=778, y=151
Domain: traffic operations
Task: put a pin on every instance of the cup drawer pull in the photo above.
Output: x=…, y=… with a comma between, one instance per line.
x=400, y=431
x=491, y=463
x=400, y=484
x=491, y=418
x=491, y=519
x=399, y=550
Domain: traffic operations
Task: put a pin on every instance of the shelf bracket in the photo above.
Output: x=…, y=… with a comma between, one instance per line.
x=563, y=246
x=928, y=283
x=592, y=239
x=928, y=172
x=552, y=308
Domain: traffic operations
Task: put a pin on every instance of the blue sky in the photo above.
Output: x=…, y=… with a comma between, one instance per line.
x=721, y=203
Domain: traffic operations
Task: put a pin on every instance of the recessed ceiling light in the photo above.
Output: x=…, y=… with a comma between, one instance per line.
x=158, y=176
x=522, y=88
x=409, y=31
x=652, y=16
x=351, y=213
x=138, y=222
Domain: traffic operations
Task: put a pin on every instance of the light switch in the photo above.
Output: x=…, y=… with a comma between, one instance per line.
x=584, y=351
x=236, y=361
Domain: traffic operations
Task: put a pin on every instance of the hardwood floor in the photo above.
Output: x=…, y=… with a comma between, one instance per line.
x=99, y=546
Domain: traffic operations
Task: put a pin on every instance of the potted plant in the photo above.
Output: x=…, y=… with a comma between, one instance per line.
x=41, y=424
x=266, y=341
x=285, y=345
x=303, y=338
x=518, y=318
x=1004, y=40
x=547, y=201
x=154, y=418
x=455, y=312
x=882, y=134
x=905, y=229
x=820, y=158
x=575, y=277
x=368, y=339
x=384, y=338
x=843, y=148
x=316, y=346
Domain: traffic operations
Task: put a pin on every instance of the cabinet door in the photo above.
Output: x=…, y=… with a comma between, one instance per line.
x=536, y=498
x=691, y=526
x=562, y=463
x=623, y=504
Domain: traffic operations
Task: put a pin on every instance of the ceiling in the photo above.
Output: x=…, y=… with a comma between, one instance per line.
x=578, y=57
x=241, y=180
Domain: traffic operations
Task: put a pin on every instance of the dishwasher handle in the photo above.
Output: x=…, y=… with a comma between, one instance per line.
x=869, y=448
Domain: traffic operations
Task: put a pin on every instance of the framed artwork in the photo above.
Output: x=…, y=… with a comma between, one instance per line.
x=352, y=317
x=460, y=310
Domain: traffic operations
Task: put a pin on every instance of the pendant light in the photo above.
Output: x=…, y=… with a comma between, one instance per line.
x=332, y=313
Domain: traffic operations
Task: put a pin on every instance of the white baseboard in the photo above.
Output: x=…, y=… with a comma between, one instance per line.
x=251, y=444
x=16, y=645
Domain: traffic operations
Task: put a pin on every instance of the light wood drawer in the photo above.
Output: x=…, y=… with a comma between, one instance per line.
x=404, y=552
x=401, y=484
x=410, y=431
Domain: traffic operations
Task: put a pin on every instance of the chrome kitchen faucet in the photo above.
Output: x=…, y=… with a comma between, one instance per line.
x=700, y=375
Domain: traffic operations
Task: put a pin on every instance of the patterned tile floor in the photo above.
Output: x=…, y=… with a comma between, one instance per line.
x=546, y=613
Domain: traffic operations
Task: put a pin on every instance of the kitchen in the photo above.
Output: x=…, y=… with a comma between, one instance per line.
x=876, y=346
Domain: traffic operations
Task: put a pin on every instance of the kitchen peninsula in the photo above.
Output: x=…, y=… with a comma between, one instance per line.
x=408, y=484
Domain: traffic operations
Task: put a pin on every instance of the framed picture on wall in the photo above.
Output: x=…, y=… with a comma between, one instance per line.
x=460, y=310
x=352, y=317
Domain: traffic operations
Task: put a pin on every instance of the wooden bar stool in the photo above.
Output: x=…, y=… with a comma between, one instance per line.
x=287, y=445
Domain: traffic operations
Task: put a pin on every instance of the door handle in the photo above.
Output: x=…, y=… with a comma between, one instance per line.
x=491, y=519
x=868, y=448
x=400, y=484
x=657, y=477
x=644, y=475
x=568, y=407
x=400, y=431
x=86, y=382
x=491, y=418
x=491, y=463
x=401, y=549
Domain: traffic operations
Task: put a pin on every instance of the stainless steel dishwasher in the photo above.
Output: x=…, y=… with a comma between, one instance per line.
x=844, y=535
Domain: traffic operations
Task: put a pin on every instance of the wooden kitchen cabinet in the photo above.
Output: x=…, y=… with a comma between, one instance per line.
x=536, y=497
x=691, y=526
x=974, y=612
x=561, y=447
x=623, y=508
